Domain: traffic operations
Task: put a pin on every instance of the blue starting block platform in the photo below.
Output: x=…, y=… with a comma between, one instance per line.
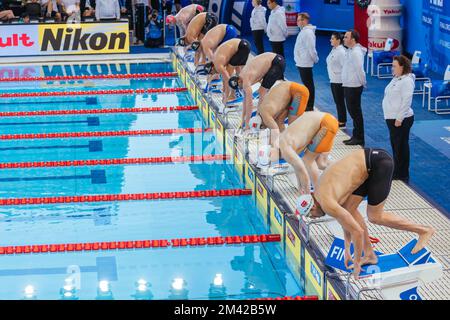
x=396, y=275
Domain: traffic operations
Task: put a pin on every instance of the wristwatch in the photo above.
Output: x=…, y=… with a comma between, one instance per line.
x=363, y=4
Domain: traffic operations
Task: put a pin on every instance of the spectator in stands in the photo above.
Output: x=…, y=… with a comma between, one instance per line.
x=33, y=9
x=87, y=8
x=24, y=18
x=50, y=9
x=123, y=6
x=354, y=81
x=277, y=27
x=107, y=10
x=305, y=55
x=154, y=34
x=258, y=24
x=399, y=116
x=5, y=15
x=70, y=10
x=335, y=62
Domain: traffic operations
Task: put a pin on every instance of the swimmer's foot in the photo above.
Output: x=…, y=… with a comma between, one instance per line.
x=424, y=237
x=369, y=259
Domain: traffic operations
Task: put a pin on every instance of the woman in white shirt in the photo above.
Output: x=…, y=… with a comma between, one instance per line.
x=399, y=116
x=258, y=24
x=335, y=63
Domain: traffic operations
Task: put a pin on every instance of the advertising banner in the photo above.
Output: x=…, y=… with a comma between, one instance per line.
x=62, y=39
x=436, y=24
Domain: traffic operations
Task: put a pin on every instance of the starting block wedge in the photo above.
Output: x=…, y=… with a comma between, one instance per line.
x=396, y=275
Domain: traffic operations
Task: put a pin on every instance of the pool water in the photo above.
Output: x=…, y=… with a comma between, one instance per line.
x=219, y=272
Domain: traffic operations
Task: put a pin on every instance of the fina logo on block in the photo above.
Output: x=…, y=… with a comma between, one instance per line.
x=315, y=273
x=410, y=294
x=277, y=215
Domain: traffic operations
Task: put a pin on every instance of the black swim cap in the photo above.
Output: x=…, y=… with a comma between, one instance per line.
x=234, y=82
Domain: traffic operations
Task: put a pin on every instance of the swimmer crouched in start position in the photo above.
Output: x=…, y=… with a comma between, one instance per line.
x=229, y=57
x=314, y=133
x=267, y=68
x=184, y=16
x=285, y=99
x=214, y=38
x=365, y=172
x=196, y=30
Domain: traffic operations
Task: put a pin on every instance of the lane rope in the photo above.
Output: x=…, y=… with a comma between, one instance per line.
x=95, y=77
x=60, y=135
x=125, y=197
x=96, y=111
x=108, y=162
x=139, y=244
x=91, y=92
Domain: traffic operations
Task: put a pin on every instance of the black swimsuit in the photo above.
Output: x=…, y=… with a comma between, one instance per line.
x=276, y=72
x=380, y=167
x=210, y=22
x=241, y=56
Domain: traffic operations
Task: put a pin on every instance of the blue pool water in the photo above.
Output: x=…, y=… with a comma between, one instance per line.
x=250, y=271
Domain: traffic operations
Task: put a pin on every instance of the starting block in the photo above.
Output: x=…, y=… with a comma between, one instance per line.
x=396, y=275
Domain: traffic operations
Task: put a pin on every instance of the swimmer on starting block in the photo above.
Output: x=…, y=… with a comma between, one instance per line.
x=229, y=57
x=196, y=30
x=285, y=99
x=215, y=37
x=266, y=68
x=314, y=133
x=184, y=16
x=341, y=188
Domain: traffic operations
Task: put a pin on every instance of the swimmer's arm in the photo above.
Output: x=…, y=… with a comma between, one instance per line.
x=248, y=105
x=347, y=241
x=294, y=160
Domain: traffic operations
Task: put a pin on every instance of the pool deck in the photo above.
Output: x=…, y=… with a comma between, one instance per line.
x=316, y=234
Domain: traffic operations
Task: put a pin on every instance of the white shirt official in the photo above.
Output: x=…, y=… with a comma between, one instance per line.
x=335, y=63
x=398, y=97
x=277, y=27
x=258, y=18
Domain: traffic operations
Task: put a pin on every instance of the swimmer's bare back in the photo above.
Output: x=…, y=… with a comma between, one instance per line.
x=300, y=132
x=277, y=99
x=341, y=178
x=195, y=27
x=256, y=68
x=225, y=51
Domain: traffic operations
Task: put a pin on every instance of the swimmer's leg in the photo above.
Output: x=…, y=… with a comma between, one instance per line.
x=322, y=160
x=377, y=215
x=280, y=119
x=228, y=93
x=351, y=205
x=350, y=225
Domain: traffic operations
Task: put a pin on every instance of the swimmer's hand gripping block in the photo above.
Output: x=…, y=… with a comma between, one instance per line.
x=397, y=275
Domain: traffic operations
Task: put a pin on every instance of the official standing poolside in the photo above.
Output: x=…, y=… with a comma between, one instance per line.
x=399, y=116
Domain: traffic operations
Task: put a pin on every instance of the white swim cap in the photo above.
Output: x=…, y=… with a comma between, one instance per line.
x=304, y=205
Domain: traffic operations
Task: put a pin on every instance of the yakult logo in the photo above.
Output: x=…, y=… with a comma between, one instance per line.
x=16, y=40
x=380, y=43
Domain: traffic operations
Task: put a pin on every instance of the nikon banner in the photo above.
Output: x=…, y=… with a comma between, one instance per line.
x=58, y=39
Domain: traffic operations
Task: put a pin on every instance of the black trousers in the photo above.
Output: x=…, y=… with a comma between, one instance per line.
x=400, y=146
x=339, y=99
x=258, y=36
x=278, y=47
x=140, y=21
x=306, y=74
x=353, y=102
